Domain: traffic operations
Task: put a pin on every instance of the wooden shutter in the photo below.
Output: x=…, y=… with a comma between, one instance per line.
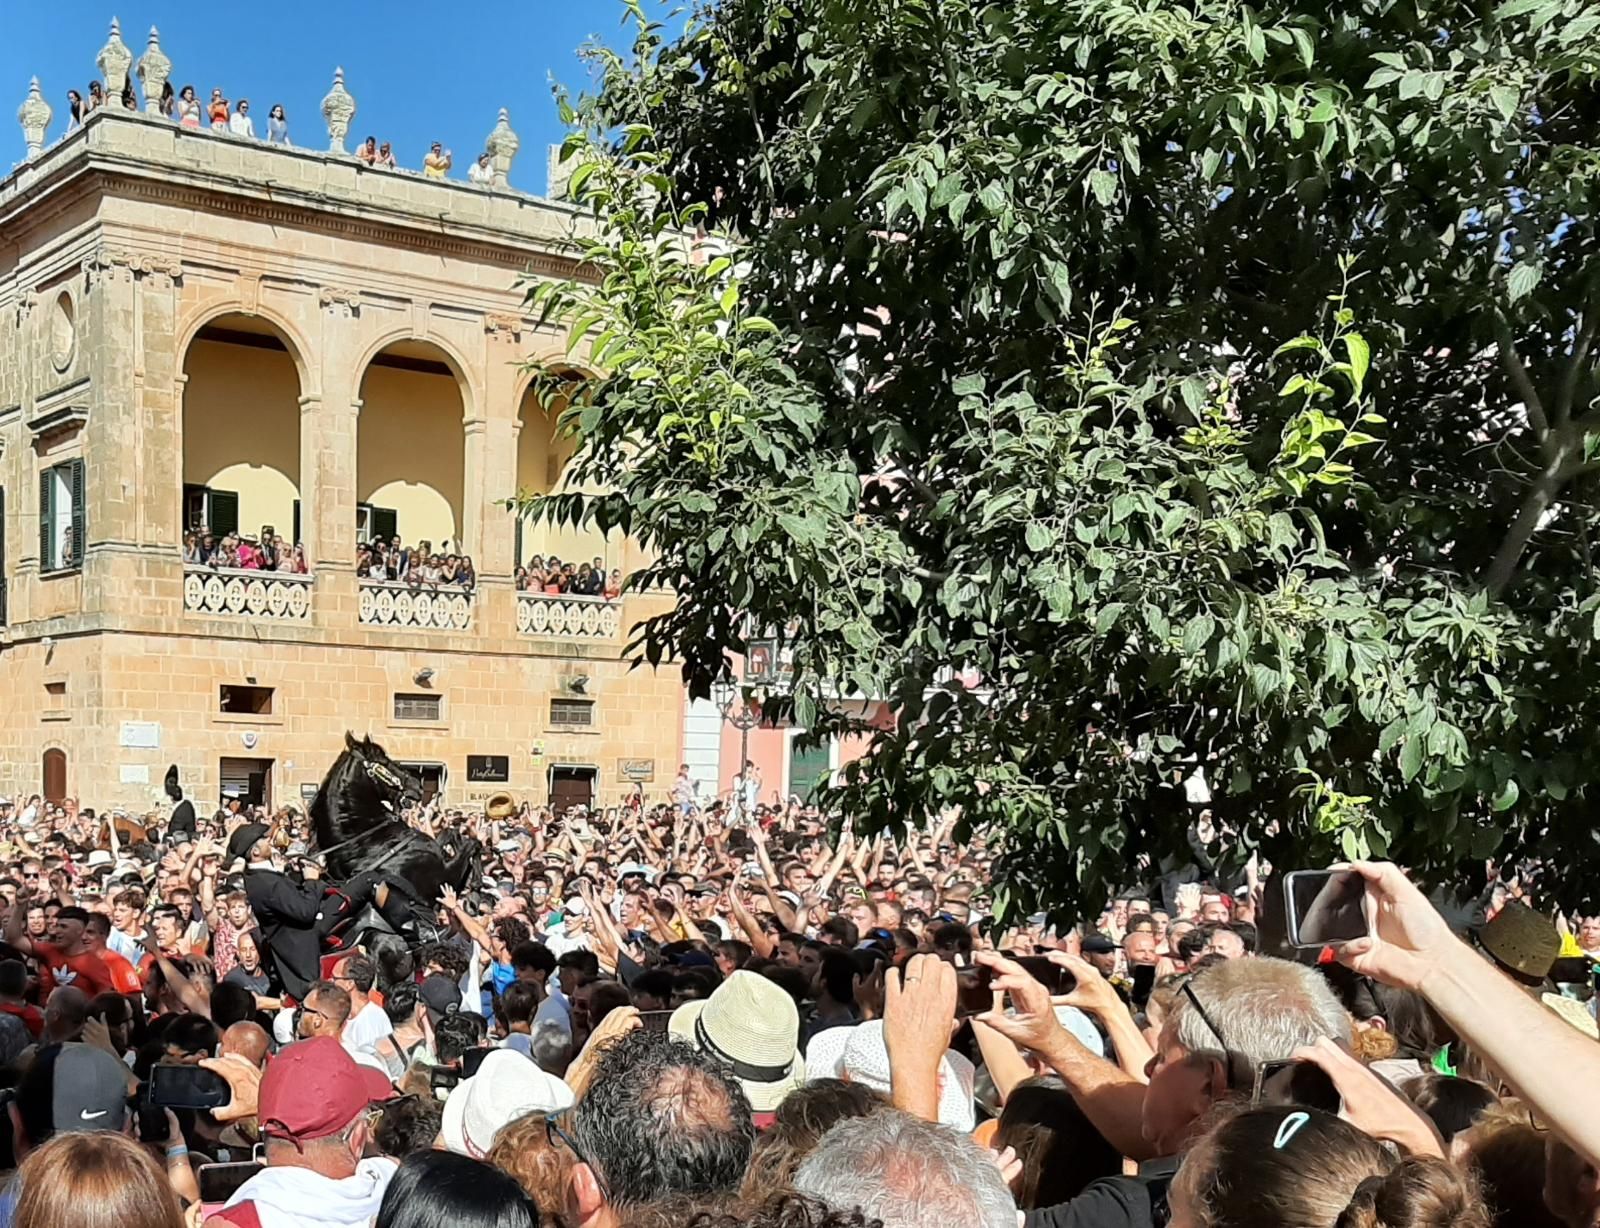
x=2, y=556
x=224, y=512
x=80, y=538
x=385, y=523
x=294, y=539
x=46, y=518
x=516, y=558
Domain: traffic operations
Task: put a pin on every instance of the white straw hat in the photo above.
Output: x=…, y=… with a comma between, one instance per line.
x=508, y=1085
x=860, y=1054
x=752, y=1027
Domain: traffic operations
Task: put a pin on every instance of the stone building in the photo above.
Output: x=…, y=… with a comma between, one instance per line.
x=197, y=329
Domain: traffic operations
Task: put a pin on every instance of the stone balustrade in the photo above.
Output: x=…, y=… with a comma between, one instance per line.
x=278, y=596
x=386, y=603
x=568, y=617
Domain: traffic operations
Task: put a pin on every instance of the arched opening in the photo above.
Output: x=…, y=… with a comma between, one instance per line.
x=54, y=771
x=241, y=435
x=544, y=451
x=410, y=449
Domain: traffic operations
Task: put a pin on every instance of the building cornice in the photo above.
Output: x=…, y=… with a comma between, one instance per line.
x=128, y=155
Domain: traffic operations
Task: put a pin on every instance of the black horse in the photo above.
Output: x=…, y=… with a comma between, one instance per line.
x=356, y=826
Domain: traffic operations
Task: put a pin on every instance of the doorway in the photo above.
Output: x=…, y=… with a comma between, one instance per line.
x=249, y=780
x=55, y=776
x=432, y=776
x=571, y=786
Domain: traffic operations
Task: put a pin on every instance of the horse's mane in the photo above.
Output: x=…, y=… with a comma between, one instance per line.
x=347, y=801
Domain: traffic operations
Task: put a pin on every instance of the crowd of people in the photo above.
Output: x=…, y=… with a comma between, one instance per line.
x=658, y=1015
x=419, y=566
x=268, y=551
x=234, y=118
x=552, y=576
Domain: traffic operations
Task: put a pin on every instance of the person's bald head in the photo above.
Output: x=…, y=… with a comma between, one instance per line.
x=249, y=1040
x=65, y=1012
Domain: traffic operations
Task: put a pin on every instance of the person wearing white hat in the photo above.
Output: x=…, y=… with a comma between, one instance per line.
x=751, y=1027
x=861, y=1055
x=506, y=1087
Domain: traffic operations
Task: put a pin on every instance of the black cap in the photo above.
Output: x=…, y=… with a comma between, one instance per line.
x=246, y=838
x=440, y=995
x=1098, y=944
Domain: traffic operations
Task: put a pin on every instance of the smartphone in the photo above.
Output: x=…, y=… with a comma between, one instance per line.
x=471, y=1060
x=1324, y=906
x=1291, y=1082
x=220, y=1182
x=974, y=990
x=152, y=1124
x=655, y=1021
x=185, y=1087
x=1144, y=980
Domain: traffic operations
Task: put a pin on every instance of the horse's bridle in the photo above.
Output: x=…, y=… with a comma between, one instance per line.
x=381, y=773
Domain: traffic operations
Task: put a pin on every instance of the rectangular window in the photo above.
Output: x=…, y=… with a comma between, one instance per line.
x=211, y=511
x=61, y=517
x=572, y=713
x=246, y=700
x=418, y=707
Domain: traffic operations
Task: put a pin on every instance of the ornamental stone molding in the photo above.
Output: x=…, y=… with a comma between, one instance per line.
x=385, y=603
x=340, y=301
x=275, y=596
x=338, y=108
x=113, y=60
x=154, y=71
x=34, y=115
x=502, y=145
x=500, y=323
x=568, y=618
x=108, y=263
x=26, y=302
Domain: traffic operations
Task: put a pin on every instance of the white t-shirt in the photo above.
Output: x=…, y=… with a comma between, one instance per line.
x=365, y=1028
x=241, y=125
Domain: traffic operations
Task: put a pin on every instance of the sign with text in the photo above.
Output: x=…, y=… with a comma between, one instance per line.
x=639, y=771
x=488, y=769
x=140, y=735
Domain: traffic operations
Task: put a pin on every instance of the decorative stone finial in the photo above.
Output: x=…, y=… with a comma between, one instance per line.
x=34, y=116
x=338, y=108
x=154, y=70
x=502, y=146
x=113, y=60
x=557, y=174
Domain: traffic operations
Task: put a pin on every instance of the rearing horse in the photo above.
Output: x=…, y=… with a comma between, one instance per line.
x=355, y=823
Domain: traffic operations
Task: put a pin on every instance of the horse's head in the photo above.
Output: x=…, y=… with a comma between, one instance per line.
x=394, y=786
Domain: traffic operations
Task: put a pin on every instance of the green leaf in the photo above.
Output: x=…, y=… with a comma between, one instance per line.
x=1197, y=633
x=1040, y=537
x=1360, y=359
x=729, y=299
x=1411, y=759
x=1107, y=617
x=1104, y=186
x=1521, y=280
x=1507, y=99
x=1507, y=797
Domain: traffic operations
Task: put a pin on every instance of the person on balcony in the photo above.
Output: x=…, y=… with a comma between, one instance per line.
x=466, y=573
x=218, y=111
x=480, y=172
x=188, y=108
x=240, y=123
x=438, y=162
x=385, y=159
x=277, y=125
x=614, y=584
x=367, y=155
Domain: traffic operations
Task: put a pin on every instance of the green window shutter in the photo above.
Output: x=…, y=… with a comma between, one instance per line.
x=80, y=538
x=46, y=516
x=224, y=513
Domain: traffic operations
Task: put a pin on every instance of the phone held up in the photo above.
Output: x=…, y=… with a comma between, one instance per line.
x=1324, y=906
x=185, y=1087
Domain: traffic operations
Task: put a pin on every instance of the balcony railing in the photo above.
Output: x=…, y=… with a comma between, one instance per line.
x=281, y=596
x=568, y=618
x=386, y=603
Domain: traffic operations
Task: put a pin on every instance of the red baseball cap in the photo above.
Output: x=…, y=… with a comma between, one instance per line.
x=314, y=1088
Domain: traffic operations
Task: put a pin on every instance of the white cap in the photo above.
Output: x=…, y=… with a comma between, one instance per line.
x=861, y=1055
x=508, y=1085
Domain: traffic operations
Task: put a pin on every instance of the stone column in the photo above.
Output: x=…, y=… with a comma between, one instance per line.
x=328, y=426
x=113, y=61
x=494, y=542
x=34, y=116
x=154, y=70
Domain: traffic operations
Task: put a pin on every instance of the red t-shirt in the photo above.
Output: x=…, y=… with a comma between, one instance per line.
x=84, y=971
x=124, y=978
x=30, y=1015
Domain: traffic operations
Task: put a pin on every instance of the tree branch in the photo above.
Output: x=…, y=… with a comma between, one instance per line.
x=1588, y=326
x=1535, y=503
x=1520, y=379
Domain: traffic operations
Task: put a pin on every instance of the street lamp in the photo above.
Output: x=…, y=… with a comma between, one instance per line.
x=725, y=692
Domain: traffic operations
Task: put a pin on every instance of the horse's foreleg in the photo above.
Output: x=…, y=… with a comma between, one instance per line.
x=465, y=866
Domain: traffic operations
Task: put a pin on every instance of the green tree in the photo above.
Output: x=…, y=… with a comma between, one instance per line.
x=1053, y=341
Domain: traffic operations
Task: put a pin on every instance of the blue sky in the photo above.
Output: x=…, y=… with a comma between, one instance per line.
x=419, y=70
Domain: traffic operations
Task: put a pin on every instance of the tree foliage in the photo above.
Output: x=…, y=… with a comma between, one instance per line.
x=1213, y=383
